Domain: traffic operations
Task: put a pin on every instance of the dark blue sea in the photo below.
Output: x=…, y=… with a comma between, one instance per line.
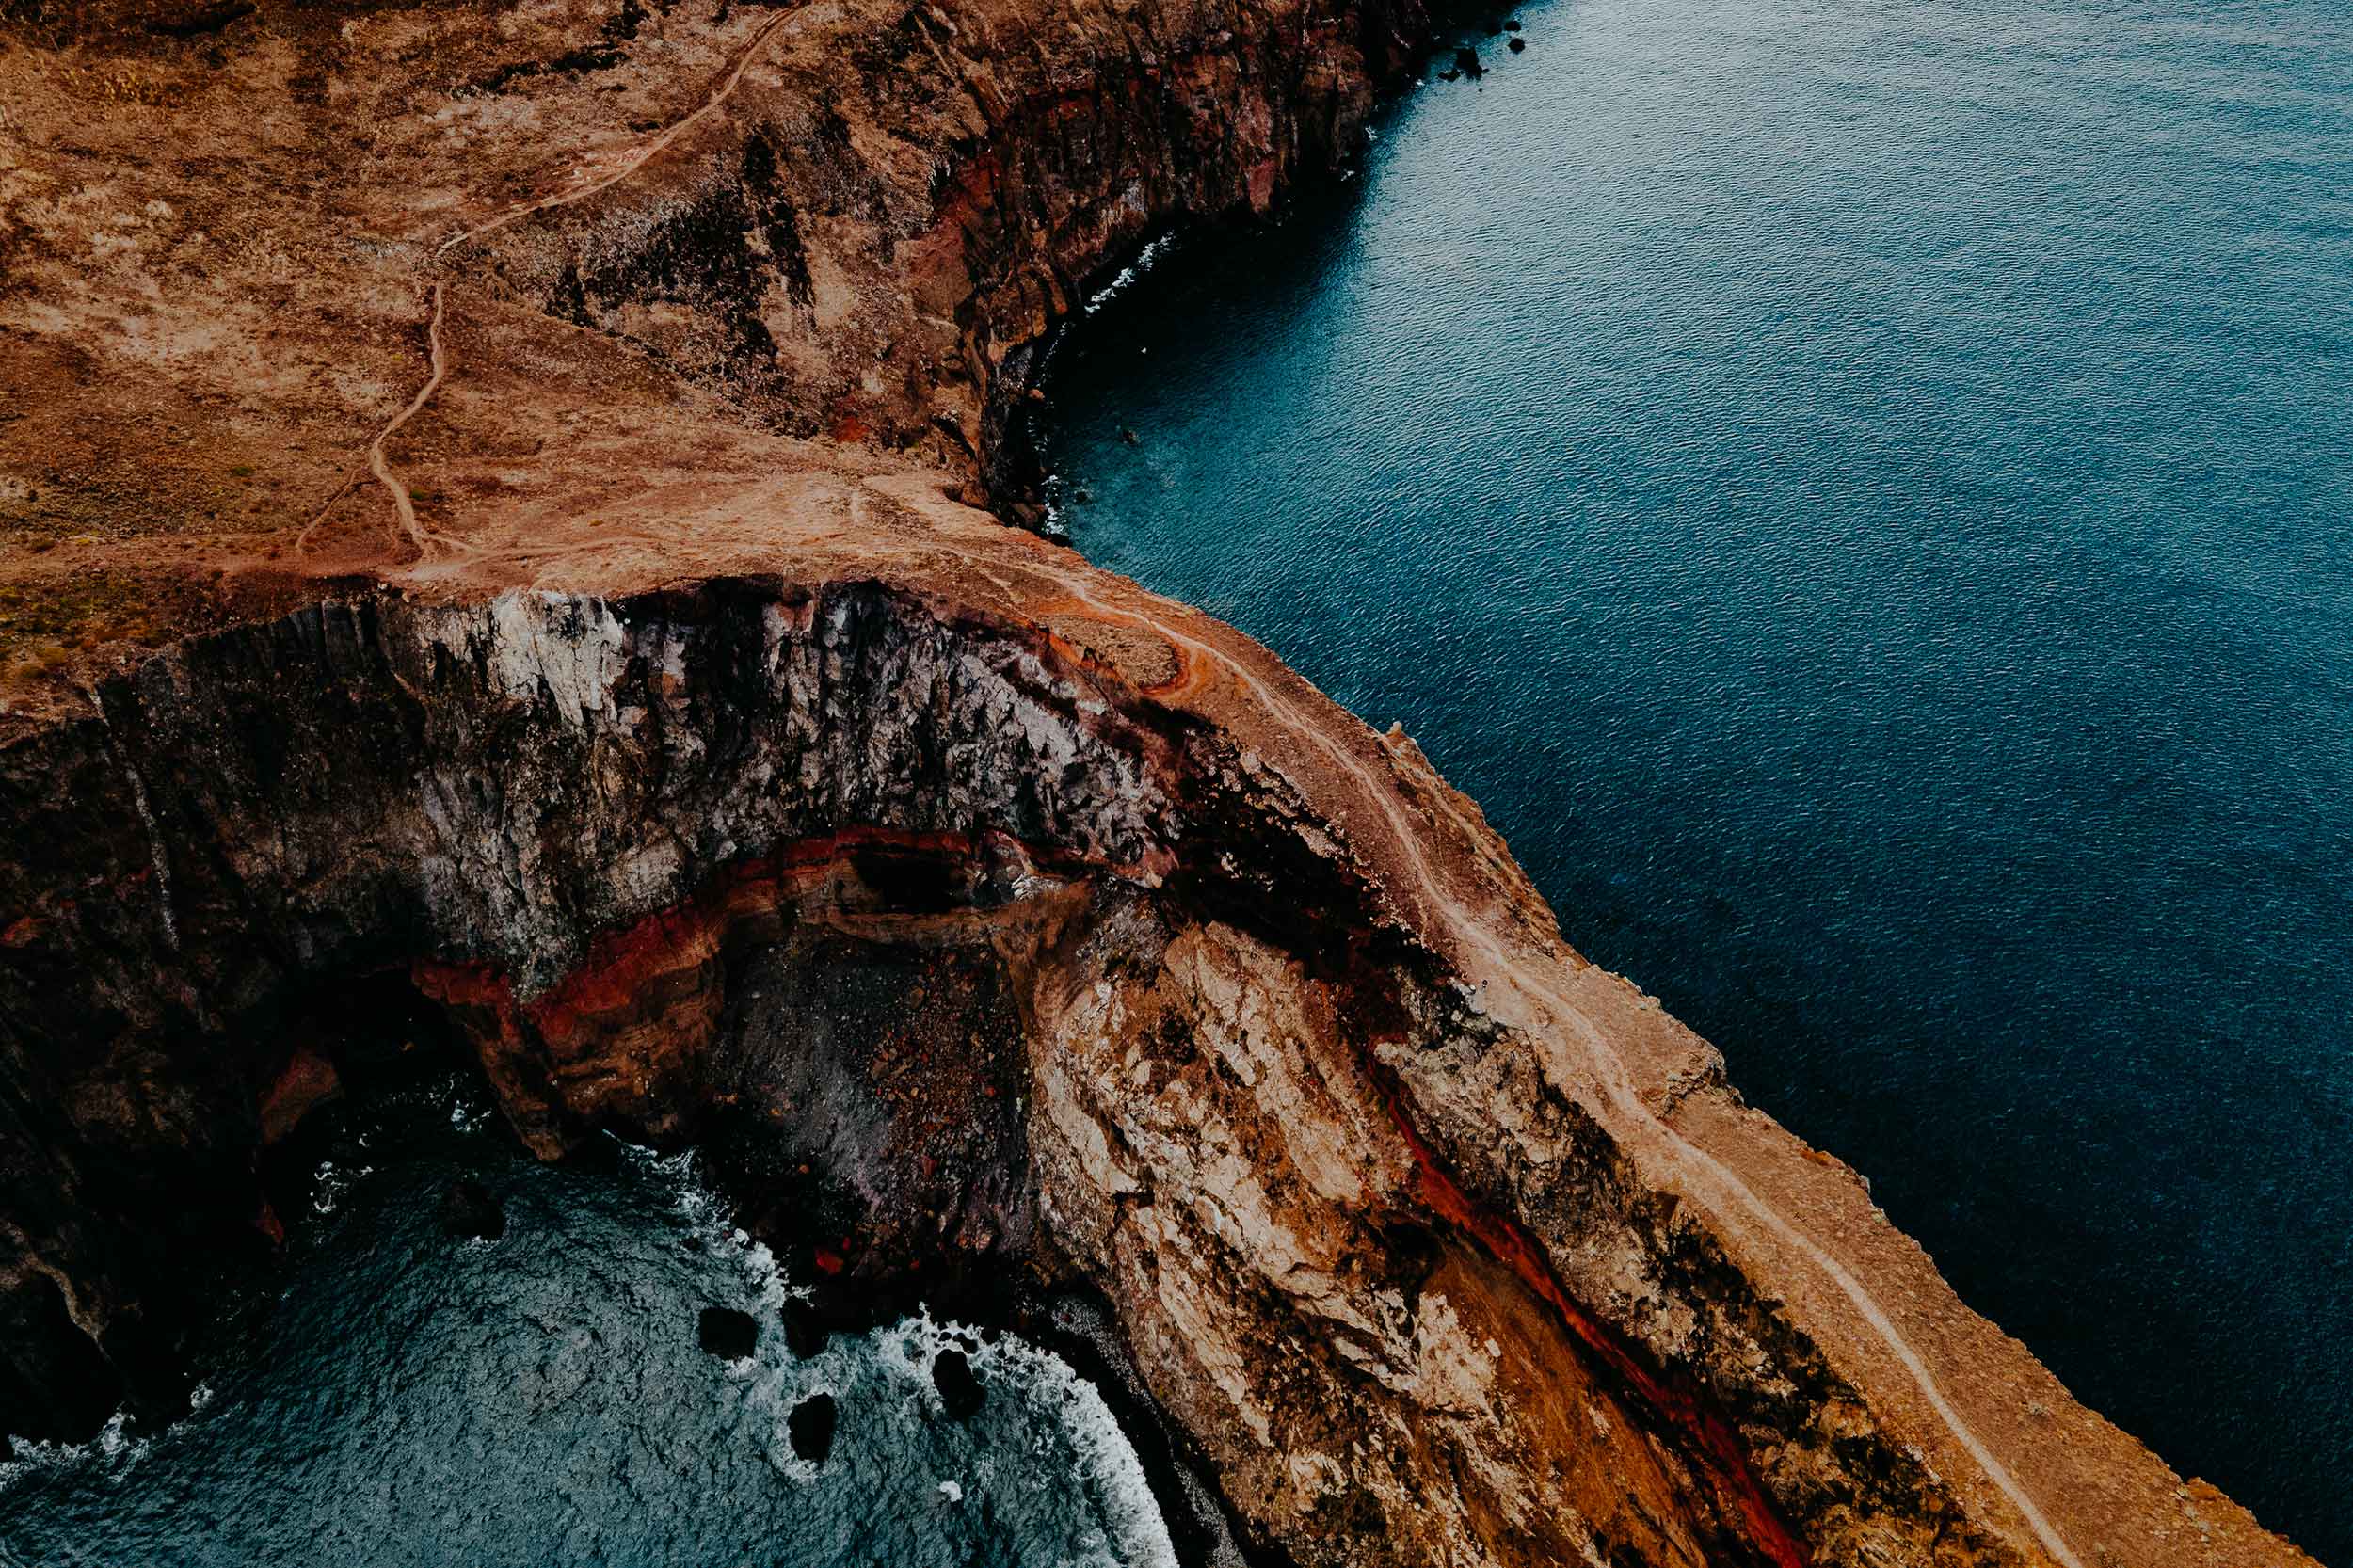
x=1863, y=492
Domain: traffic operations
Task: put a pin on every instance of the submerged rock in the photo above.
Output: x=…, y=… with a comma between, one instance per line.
x=469, y=1210
x=810, y=1427
x=804, y=1329
x=959, y=1390
x=728, y=1333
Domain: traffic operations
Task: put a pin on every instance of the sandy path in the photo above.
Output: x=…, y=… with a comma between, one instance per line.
x=421, y=539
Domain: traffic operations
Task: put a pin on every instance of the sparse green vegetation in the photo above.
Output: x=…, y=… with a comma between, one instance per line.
x=42, y=624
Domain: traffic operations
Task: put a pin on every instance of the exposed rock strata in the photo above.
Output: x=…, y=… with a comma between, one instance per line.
x=1001, y=958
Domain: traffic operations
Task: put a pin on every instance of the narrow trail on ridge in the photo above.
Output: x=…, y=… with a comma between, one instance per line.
x=403, y=505
x=402, y=502
x=645, y=151
x=1442, y=914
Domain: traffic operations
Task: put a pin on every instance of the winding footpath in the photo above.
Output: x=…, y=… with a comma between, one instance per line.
x=421, y=539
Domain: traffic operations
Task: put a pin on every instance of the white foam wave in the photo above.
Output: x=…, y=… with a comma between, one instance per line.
x=1127, y=276
x=112, y=1445
x=1106, y=1460
x=899, y=1358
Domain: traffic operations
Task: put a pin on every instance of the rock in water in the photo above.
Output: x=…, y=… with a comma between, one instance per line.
x=728, y=1333
x=1518, y=45
x=810, y=1427
x=469, y=1210
x=599, y=1154
x=959, y=1390
x=1467, y=61
x=805, y=1330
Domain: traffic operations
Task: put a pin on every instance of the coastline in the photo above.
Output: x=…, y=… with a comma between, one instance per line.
x=1528, y=1096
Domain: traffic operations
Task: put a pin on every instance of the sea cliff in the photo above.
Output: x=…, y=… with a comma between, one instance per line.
x=506, y=521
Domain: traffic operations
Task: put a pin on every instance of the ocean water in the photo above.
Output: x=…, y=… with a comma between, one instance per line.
x=415, y=1396
x=1861, y=491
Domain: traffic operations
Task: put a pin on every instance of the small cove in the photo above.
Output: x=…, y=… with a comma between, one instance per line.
x=411, y=1395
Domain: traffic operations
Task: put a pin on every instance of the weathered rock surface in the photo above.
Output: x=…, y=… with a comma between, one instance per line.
x=564, y=414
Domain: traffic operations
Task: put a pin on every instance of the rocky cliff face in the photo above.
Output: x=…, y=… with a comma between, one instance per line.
x=677, y=866
x=938, y=925
x=879, y=246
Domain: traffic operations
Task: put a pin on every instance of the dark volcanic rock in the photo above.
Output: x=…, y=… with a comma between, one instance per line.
x=811, y=1426
x=804, y=1329
x=728, y=1333
x=203, y=20
x=1467, y=61
x=1518, y=45
x=599, y=1154
x=469, y=1210
x=959, y=1390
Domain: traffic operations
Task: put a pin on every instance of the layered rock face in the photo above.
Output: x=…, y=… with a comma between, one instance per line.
x=924, y=927
x=934, y=923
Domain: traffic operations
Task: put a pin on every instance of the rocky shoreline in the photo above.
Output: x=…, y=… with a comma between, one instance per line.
x=523, y=570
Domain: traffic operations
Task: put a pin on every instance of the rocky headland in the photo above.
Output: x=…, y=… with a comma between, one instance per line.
x=502, y=525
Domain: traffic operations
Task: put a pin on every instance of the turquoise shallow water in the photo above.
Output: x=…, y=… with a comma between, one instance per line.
x=1862, y=493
